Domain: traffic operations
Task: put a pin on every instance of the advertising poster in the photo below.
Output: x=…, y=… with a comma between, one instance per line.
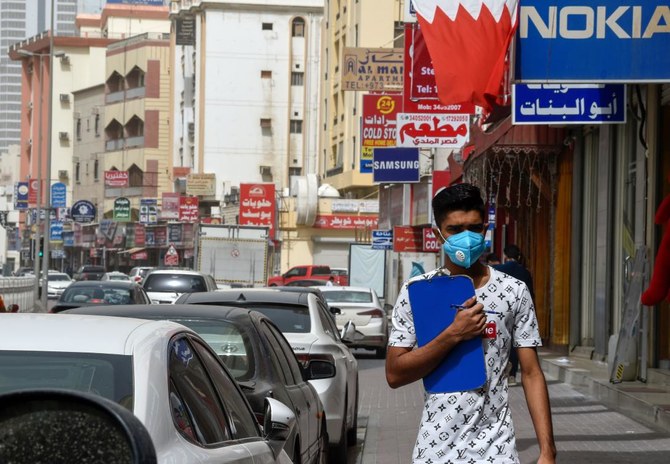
x=378, y=125
x=257, y=206
x=188, y=209
x=372, y=69
x=433, y=130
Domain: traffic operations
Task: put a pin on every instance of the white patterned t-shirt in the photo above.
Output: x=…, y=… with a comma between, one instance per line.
x=474, y=426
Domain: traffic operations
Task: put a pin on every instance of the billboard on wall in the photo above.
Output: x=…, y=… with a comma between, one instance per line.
x=593, y=42
x=188, y=209
x=201, y=184
x=257, y=206
x=378, y=125
x=372, y=69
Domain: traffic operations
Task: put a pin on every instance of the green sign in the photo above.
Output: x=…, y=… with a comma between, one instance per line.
x=122, y=209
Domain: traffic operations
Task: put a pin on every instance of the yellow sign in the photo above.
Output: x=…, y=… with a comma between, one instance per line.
x=372, y=69
x=203, y=185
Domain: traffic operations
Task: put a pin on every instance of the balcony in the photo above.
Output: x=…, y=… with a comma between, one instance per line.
x=114, y=97
x=114, y=144
x=137, y=141
x=137, y=92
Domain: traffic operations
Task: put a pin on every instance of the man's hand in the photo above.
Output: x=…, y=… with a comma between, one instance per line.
x=469, y=322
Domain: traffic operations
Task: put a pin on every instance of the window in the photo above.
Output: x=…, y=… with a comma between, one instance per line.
x=240, y=416
x=265, y=74
x=193, y=387
x=96, y=171
x=297, y=78
x=175, y=283
x=298, y=27
x=285, y=368
x=78, y=128
x=296, y=126
x=76, y=171
x=267, y=26
x=289, y=318
x=287, y=352
x=266, y=123
x=97, y=125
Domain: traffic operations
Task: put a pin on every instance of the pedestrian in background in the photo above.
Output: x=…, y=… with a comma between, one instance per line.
x=492, y=259
x=475, y=425
x=514, y=267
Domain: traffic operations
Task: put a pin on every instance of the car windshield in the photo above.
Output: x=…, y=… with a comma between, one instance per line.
x=118, y=277
x=231, y=344
x=288, y=318
x=177, y=283
x=59, y=278
x=107, y=375
x=97, y=295
x=347, y=296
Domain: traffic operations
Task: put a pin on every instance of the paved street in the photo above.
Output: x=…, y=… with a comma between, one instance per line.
x=585, y=431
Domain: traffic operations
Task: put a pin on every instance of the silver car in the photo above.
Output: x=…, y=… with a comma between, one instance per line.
x=360, y=305
x=305, y=320
x=161, y=371
x=164, y=286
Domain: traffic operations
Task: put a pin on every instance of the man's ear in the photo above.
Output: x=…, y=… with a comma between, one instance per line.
x=438, y=234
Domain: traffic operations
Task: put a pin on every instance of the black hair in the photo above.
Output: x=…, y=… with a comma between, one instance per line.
x=459, y=197
x=492, y=257
x=513, y=252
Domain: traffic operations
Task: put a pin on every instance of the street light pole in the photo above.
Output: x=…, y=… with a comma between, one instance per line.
x=38, y=203
x=47, y=193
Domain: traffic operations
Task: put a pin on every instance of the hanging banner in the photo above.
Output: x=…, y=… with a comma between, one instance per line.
x=257, y=206
x=372, y=69
x=58, y=195
x=21, y=194
x=121, y=209
x=433, y=130
x=56, y=232
x=188, y=209
x=378, y=125
x=116, y=179
x=33, y=186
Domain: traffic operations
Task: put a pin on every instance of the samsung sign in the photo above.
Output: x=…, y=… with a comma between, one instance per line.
x=599, y=41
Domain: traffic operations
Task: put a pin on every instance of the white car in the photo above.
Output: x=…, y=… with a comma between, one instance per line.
x=360, y=305
x=304, y=318
x=115, y=275
x=164, y=286
x=57, y=282
x=161, y=371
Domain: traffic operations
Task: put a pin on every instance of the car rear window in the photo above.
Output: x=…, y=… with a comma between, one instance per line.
x=288, y=318
x=345, y=296
x=97, y=295
x=321, y=270
x=177, y=283
x=107, y=375
x=59, y=278
x=93, y=269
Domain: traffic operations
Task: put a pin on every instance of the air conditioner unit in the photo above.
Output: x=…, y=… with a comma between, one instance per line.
x=265, y=170
x=63, y=136
x=65, y=98
x=63, y=174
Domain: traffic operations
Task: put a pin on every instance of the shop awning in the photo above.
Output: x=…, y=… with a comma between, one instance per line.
x=132, y=250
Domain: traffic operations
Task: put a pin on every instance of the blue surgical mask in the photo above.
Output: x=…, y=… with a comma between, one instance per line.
x=465, y=248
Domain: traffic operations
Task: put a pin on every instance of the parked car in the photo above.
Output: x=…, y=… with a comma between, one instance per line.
x=164, y=286
x=89, y=272
x=115, y=275
x=57, y=282
x=161, y=371
x=312, y=272
x=259, y=358
x=341, y=275
x=305, y=321
x=137, y=274
x=361, y=306
x=100, y=293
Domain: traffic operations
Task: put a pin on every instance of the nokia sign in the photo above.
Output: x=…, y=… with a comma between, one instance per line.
x=593, y=41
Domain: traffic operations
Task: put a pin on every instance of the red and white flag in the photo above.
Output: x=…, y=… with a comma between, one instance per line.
x=468, y=42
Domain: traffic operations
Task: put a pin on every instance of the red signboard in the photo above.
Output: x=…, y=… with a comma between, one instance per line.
x=140, y=255
x=140, y=234
x=378, y=123
x=170, y=206
x=257, y=206
x=420, y=89
x=32, y=191
x=431, y=243
x=345, y=221
x=188, y=209
x=171, y=256
x=408, y=239
x=116, y=179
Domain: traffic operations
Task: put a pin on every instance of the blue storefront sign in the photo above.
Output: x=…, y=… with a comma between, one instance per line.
x=58, y=195
x=568, y=103
x=593, y=41
x=83, y=212
x=395, y=165
x=56, y=232
x=382, y=239
x=21, y=190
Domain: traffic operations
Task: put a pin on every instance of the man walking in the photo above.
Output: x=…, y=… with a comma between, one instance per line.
x=514, y=267
x=472, y=426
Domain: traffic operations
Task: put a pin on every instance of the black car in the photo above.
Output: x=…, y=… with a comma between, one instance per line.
x=109, y=292
x=261, y=360
x=90, y=272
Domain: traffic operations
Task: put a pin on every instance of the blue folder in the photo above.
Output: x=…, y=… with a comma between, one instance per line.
x=463, y=368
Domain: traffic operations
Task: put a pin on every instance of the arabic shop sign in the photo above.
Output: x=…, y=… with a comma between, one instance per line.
x=188, y=209
x=614, y=40
x=83, y=212
x=382, y=239
x=345, y=221
x=568, y=103
x=372, y=69
x=21, y=192
x=433, y=130
x=116, y=179
x=378, y=125
x=257, y=206
x=122, y=209
x=148, y=211
x=58, y=195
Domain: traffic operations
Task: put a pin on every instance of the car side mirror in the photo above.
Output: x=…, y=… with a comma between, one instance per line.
x=348, y=332
x=335, y=311
x=38, y=425
x=319, y=369
x=278, y=423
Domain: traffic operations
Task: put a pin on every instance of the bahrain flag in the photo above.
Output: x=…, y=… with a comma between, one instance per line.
x=468, y=42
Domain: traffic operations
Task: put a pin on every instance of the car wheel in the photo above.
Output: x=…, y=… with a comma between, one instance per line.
x=323, y=444
x=353, y=431
x=338, y=453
